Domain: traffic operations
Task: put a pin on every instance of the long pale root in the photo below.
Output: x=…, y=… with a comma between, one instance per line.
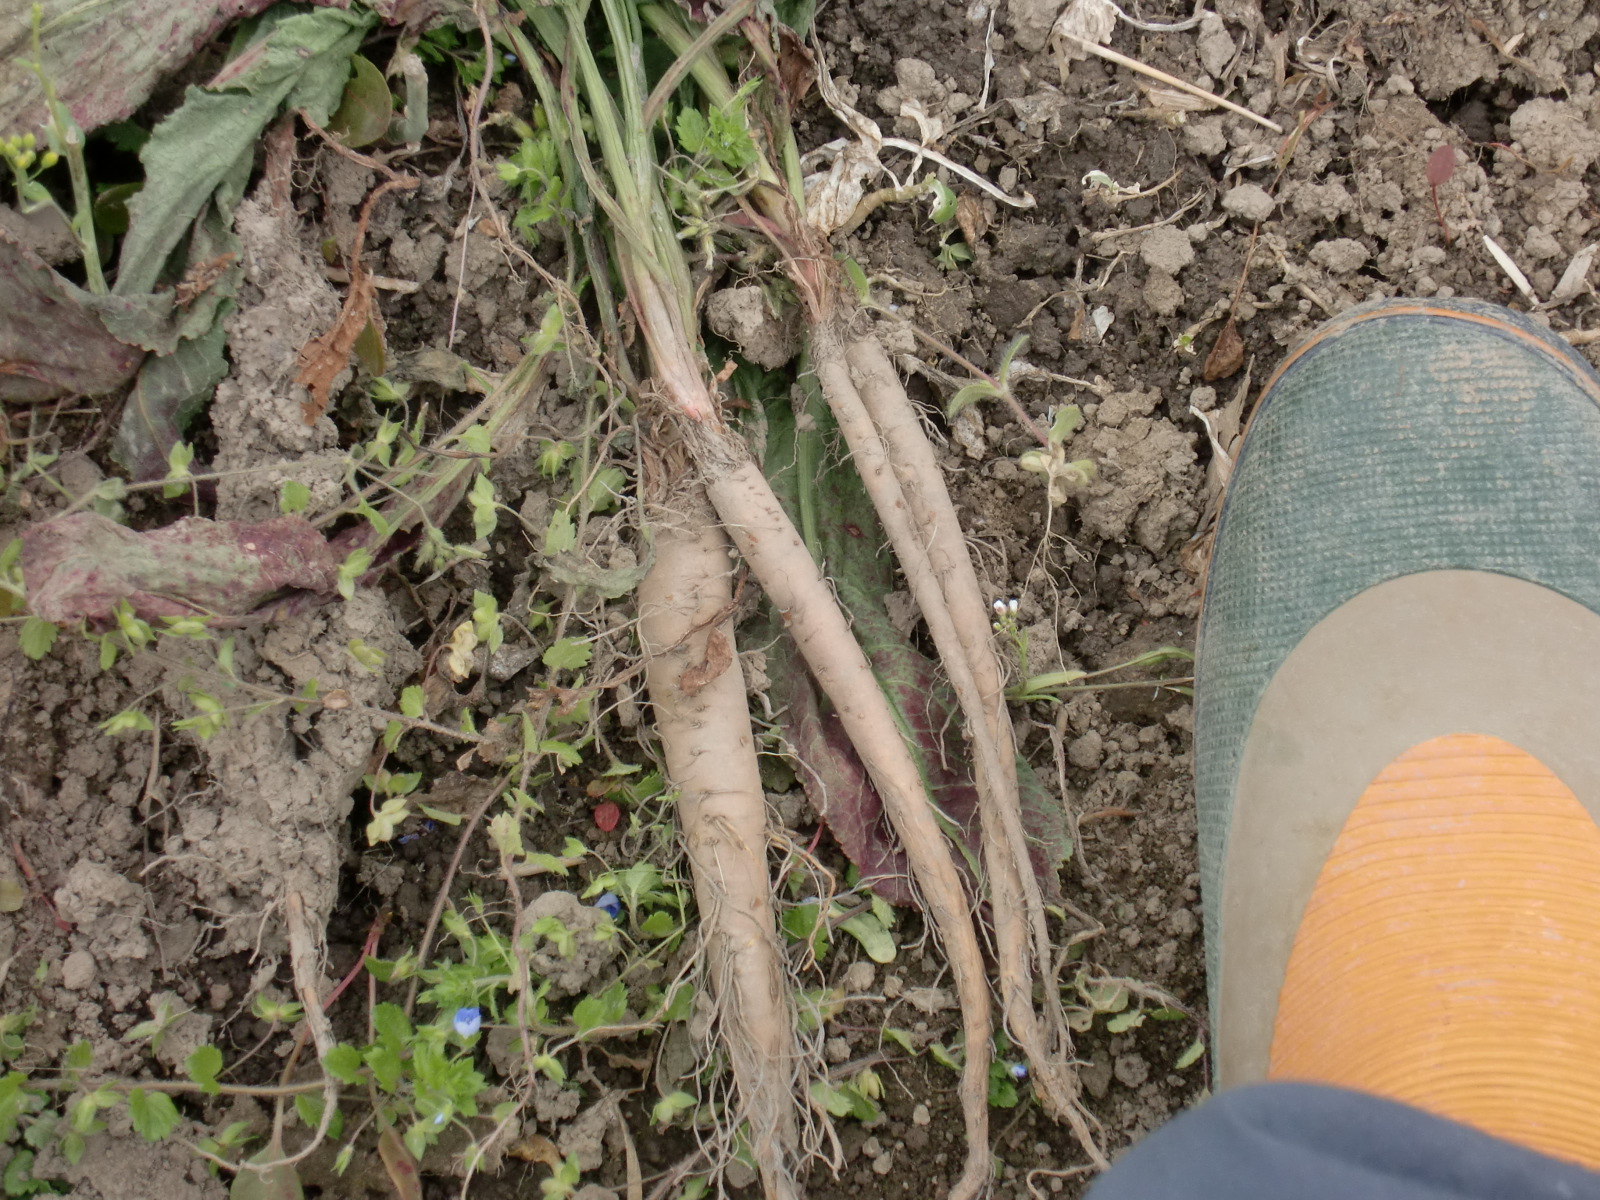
x=710, y=758
x=894, y=456
x=770, y=544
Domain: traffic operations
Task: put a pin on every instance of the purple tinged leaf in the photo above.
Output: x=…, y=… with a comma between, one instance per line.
x=79, y=567
x=832, y=774
x=51, y=344
x=1441, y=165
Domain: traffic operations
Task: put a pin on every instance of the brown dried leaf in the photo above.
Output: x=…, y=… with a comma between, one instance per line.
x=1171, y=100
x=970, y=219
x=200, y=278
x=536, y=1149
x=400, y=1166
x=323, y=357
x=719, y=657
x=797, y=66
x=1227, y=354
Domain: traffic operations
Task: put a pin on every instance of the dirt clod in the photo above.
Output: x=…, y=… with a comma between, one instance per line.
x=1249, y=201
x=1167, y=249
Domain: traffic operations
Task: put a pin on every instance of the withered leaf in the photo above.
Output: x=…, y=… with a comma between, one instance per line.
x=200, y=278
x=400, y=1166
x=970, y=219
x=1227, y=354
x=719, y=657
x=797, y=66
x=323, y=357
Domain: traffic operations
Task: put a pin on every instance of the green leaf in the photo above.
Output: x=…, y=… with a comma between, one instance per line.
x=1129, y=1019
x=352, y=569
x=1192, y=1055
x=170, y=392
x=1013, y=348
x=560, y=535
x=475, y=439
x=386, y=1067
x=658, y=924
x=79, y=1056
x=550, y=1068
x=548, y=337
x=293, y=497
x=309, y=1107
x=944, y=203
x=670, y=1106
x=178, y=460
x=602, y=1011
x=73, y=1144
x=693, y=130
x=202, y=1067
x=392, y=1024
x=1103, y=995
x=369, y=657
x=902, y=1039
x=153, y=1114
x=18, y=1180
x=553, y=456
x=565, y=753
x=412, y=702
x=837, y=1101
x=858, y=279
x=204, y=143
x=343, y=1062
x=606, y=489
x=568, y=654
x=797, y=15
x=1002, y=1088
x=279, y=1183
x=367, y=108
x=36, y=637
x=480, y=499
x=874, y=938
x=129, y=720
x=1067, y=420
x=971, y=394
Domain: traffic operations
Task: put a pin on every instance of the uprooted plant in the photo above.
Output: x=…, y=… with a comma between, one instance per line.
x=889, y=448
x=733, y=192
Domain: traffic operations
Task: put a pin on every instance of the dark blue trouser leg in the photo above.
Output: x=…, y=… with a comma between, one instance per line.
x=1296, y=1141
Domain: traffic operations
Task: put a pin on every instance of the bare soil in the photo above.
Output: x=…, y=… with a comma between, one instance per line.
x=156, y=866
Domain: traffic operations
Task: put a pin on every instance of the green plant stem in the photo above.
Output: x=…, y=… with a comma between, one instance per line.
x=71, y=137
x=179, y=1087
x=688, y=53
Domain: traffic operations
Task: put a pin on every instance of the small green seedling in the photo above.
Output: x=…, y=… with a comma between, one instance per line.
x=1055, y=686
x=1060, y=474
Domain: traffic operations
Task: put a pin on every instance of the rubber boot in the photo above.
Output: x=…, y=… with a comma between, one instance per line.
x=1398, y=726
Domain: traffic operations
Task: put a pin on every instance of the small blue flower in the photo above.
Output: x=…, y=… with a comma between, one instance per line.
x=1019, y=1071
x=609, y=904
x=468, y=1021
